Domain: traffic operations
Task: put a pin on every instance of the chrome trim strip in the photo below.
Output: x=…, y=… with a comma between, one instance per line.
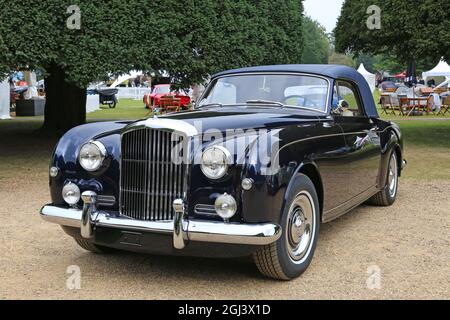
x=345, y=207
x=205, y=209
x=319, y=137
x=165, y=124
x=233, y=233
x=195, y=230
x=106, y=201
x=65, y=217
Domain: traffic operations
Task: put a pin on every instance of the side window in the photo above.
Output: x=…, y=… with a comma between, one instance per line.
x=346, y=100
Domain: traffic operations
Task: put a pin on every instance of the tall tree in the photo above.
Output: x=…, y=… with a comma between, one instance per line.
x=189, y=39
x=317, y=45
x=409, y=30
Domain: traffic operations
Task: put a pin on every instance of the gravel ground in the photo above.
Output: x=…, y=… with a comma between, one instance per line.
x=409, y=243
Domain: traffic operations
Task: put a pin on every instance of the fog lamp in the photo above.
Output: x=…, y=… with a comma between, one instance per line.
x=71, y=193
x=225, y=206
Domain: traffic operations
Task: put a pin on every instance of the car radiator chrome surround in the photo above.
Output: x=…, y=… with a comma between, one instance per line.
x=150, y=177
x=154, y=167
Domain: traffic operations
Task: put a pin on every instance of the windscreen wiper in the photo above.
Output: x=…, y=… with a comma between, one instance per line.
x=266, y=102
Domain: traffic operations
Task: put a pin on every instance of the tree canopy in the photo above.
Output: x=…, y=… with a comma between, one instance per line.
x=188, y=39
x=317, y=44
x=409, y=30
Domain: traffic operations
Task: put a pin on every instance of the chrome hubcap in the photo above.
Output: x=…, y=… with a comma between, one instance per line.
x=393, y=175
x=300, y=226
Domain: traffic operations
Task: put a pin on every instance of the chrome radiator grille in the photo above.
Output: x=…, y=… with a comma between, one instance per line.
x=150, y=181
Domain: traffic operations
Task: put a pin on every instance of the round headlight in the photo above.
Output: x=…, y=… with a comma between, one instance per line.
x=225, y=206
x=215, y=161
x=92, y=155
x=71, y=193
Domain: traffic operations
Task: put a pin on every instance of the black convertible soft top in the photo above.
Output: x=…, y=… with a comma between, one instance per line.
x=328, y=70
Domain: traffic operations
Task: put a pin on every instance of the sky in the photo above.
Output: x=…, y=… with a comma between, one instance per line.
x=324, y=11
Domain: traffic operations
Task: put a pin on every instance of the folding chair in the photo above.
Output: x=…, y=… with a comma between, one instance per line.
x=386, y=104
x=430, y=105
x=403, y=104
x=445, y=105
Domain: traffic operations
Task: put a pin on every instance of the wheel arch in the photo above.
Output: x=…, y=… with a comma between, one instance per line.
x=393, y=144
x=310, y=170
x=399, y=154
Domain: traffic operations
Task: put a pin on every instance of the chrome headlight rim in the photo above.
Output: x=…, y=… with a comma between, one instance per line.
x=226, y=156
x=102, y=153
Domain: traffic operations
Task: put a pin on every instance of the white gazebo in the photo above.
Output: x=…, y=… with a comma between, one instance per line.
x=441, y=70
x=4, y=99
x=125, y=77
x=370, y=77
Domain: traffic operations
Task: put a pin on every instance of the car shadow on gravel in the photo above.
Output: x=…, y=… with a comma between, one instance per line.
x=168, y=268
x=149, y=267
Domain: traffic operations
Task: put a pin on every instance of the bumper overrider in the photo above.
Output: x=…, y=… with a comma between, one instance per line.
x=182, y=228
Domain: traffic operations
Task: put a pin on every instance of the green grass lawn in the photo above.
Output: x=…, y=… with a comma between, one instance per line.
x=126, y=109
x=427, y=149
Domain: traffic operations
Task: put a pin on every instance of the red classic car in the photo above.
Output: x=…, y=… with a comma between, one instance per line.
x=159, y=91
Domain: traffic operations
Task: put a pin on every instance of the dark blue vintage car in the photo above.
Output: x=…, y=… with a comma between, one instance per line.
x=268, y=154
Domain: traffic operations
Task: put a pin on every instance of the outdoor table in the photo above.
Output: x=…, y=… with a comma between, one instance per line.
x=418, y=105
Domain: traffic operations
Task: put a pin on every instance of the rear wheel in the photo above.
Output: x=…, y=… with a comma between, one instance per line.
x=89, y=246
x=291, y=255
x=387, y=196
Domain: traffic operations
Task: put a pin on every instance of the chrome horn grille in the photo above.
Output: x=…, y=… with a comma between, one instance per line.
x=149, y=180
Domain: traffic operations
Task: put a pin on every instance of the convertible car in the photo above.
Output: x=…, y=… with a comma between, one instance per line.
x=268, y=154
x=159, y=91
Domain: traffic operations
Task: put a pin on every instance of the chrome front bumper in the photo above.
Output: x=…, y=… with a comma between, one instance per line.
x=181, y=228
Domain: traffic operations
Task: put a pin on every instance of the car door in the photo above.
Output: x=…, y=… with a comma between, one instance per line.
x=363, y=154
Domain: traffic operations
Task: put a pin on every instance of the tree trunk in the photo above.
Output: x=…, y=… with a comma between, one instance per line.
x=65, y=105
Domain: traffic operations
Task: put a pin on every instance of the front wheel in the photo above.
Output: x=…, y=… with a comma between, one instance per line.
x=291, y=255
x=388, y=194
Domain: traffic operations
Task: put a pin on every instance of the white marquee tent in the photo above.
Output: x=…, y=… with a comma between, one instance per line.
x=441, y=70
x=4, y=100
x=125, y=77
x=370, y=77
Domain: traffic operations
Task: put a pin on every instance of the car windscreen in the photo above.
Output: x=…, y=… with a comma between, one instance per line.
x=162, y=89
x=305, y=91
